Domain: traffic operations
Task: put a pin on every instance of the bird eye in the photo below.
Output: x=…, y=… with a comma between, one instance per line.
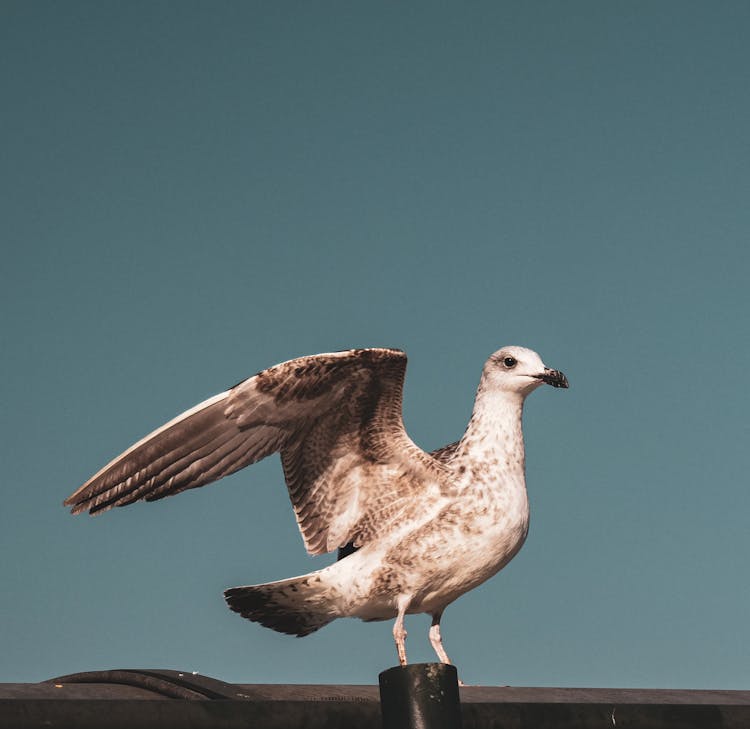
x=510, y=362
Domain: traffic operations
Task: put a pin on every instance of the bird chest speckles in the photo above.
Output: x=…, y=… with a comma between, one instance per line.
x=461, y=546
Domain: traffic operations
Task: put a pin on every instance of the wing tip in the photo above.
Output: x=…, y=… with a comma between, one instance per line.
x=79, y=502
x=72, y=502
x=75, y=507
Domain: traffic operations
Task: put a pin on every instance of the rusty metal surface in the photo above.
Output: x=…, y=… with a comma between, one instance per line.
x=164, y=699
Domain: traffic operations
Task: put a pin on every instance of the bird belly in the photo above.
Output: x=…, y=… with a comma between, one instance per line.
x=466, y=567
x=435, y=563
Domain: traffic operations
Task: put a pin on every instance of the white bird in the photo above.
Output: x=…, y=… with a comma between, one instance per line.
x=414, y=530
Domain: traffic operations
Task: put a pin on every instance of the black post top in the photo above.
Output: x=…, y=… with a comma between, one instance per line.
x=420, y=696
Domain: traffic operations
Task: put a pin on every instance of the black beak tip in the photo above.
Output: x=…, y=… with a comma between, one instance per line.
x=554, y=378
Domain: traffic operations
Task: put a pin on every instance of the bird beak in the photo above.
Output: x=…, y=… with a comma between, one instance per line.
x=553, y=377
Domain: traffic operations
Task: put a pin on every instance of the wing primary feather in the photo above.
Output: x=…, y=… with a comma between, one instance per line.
x=215, y=459
x=231, y=461
x=103, y=475
x=197, y=471
x=137, y=474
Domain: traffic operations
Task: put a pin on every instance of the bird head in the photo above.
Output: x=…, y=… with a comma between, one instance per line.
x=520, y=370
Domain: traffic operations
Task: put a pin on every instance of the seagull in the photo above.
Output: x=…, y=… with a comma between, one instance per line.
x=413, y=530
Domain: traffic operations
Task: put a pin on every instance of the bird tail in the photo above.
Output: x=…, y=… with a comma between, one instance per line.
x=297, y=606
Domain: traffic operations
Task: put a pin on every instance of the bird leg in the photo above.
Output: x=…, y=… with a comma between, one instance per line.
x=399, y=632
x=437, y=642
x=435, y=639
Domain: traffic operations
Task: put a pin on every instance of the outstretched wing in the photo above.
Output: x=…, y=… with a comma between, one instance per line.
x=336, y=419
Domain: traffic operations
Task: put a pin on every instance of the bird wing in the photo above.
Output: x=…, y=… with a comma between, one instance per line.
x=335, y=418
x=446, y=453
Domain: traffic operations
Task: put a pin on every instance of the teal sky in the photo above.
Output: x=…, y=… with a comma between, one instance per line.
x=194, y=191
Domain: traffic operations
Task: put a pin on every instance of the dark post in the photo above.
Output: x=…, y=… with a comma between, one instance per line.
x=420, y=696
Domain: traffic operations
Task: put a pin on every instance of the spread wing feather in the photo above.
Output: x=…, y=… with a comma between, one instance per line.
x=336, y=420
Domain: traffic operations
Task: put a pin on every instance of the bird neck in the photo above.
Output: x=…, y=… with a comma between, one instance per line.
x=493, y=436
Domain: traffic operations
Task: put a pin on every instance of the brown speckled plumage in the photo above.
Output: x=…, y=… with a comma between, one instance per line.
x=417, y=530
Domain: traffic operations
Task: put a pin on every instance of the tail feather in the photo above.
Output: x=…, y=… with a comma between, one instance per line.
x=297, y=606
